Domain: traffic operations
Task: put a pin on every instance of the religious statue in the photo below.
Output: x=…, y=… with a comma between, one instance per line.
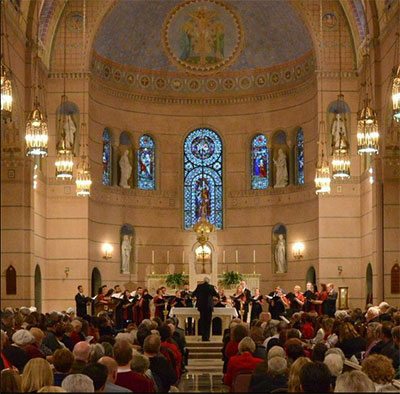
x=280, y=255
x=281, y=170
x=339, y=141
x=126, y=170
x=126, y=248
x=69, y=129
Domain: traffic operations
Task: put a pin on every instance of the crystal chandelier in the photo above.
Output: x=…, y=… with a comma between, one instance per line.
x=367, y=129
x=322, y=178
x=36, y=135
x=64, y=163
x=6, y=94
x=396, y=95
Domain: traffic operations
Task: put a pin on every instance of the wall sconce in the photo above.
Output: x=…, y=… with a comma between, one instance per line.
x=298, y=249
x=340, y=269
x=107, y=251
x=66, y=271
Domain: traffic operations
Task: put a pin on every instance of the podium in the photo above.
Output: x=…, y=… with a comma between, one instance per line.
x=109, y=308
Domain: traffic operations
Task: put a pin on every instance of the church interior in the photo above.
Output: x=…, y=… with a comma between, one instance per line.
x=151, y=143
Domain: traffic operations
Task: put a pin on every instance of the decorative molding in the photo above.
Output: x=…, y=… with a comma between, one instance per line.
x=75, y=75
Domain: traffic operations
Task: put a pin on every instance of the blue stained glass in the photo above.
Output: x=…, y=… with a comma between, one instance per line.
x=259, y=163
x=106, y=158
x=300, y=157
x=146, y=163
x=203, y=177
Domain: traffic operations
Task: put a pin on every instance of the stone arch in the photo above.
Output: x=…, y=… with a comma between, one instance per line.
x=11, y=280
x=395, y=279
x=95, y=281
x=369, y=284
x=38, y=288
x=311, y=275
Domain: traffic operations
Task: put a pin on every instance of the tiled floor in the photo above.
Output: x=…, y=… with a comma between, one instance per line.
x=204, y=382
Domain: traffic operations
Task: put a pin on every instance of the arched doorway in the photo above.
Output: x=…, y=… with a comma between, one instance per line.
x=369, y=284
x=96, y=281
x=38, y=288
x=311, y=276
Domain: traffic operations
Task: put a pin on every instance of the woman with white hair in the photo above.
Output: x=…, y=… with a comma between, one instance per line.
x=335, y=364
x=354, y=382
x=78, y=383
x=15, y=353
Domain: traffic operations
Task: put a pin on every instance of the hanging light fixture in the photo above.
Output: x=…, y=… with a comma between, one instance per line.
x=36, y=132
x=64, y=163
x=396, y=95
x=341, y=156
x=322, y=178
x=6, y=86
x=83, y=179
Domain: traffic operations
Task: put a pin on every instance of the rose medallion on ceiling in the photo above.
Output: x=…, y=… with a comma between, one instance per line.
x=203, y=36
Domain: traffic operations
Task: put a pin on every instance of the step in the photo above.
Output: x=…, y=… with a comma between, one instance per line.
x=204, y=344
x=213, y=356
x=205, y=349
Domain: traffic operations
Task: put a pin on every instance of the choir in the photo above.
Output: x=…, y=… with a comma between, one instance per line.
x=133, y=307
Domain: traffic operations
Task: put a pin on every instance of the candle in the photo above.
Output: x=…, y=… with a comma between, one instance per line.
x=237, y=256
x=167, y=256
x=254, y=256
x=223, y=257
x=183, y=257
x=152, y=257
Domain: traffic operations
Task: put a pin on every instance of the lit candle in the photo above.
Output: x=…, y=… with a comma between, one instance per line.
x=183, y=257
x=254, y=256
x=223, y=257
x=152, y=257
x=237, y=256
x=167, y=256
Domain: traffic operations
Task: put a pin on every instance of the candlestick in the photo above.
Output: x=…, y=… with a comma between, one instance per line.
x=152, y=261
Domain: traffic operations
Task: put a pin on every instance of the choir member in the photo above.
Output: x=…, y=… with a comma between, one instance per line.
x=123, y=311
x=178, y=301
x=320, y=302
x=146, y=304
x=81, y=302
x=103, y=296
x=277, y=303
x=159, y=303
x=187, y=295
x=331, y=301
x=257, y=302
x=247, y=294
x=137, y=306
x=296, y=300
x=223, y=301
x=310, y=295
x=238, y=300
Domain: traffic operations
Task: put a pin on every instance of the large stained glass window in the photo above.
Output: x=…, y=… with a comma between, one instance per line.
x=300, y=157
x=203, y=177
x=259, y=162
x=106, y=159
x=146, y=163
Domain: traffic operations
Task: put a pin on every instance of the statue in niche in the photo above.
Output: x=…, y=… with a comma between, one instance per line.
x=69, y=129
x=339, y=141
x=126, y=170
x=281, y=170
x=280, y=255
x=126, y=248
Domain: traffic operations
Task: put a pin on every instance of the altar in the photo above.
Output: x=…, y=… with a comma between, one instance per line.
x=225, y=314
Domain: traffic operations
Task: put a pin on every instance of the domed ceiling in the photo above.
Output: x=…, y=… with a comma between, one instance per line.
x=202, y=46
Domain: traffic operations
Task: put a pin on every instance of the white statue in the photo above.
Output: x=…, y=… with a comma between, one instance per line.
x=69, y=130
x=126, y=170
x=126, y=248
x=339, y=133
x=280, y=255
x=281, y=170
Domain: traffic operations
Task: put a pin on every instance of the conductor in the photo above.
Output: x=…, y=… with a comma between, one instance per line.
x=205, y=304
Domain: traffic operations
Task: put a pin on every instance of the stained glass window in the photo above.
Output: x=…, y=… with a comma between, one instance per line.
x=106, y=159
x=146, y=163
x=300, y=157
x=259, y=162
x=203, y=177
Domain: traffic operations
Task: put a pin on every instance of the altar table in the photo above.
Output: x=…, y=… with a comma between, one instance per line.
x=225, y=314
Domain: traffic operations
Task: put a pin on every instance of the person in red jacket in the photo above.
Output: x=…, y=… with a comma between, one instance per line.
x=167, y=341
x=243, y=362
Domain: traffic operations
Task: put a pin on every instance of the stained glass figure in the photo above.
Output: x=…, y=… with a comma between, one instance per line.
x=203, y=177
x=146, y=163
x=300, y=157
x=106, y=159
x=259, y=163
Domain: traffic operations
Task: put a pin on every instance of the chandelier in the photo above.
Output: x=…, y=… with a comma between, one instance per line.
x=36, y=134
x=64, y=163
x=396, y=95
x=6, y=94
x=367, y=129
x=322, y=178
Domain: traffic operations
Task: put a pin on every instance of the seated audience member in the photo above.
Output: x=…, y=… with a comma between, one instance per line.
x=33, y=349
x=373, y=334
x=315, y=378
x=256, y=334
x=294, y=351
x=66, y=339
x=123, y=354
x=354, y=382
x=386, y=345
x=279, y=338
x=62, y=362
x=383, y=311
x=335, y=364
x=294, y=374
x=15, y=353
x=52, y=389
x=379, y=369
x=275, y=351
x=274, y=378
x=168, y=342
x=96, y=352
x=37, y=373
x=226, y=338
x=77, y=335
x=98, y=373
x=350, y=341
x=163, y=373
x=396, y=339
x=243, y=361
x=78, y=383
x=112, y=370
x=318, y=352
x=10, y=381
x=307, y=328
x=239, y=332
x=81, y=353
x=50, y=340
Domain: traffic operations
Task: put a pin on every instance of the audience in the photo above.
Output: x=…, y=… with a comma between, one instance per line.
x=98, y=373
x=315, y=378
x=82, y=354
x=274, y=378
x=78, y=383
x=37, y=373
x=112, y=371
x=379, y=369
x=10, y=381
x=294, y=385
x=354, y=382
x=63, y=360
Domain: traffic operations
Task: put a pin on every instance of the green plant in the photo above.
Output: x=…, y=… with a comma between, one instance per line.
x=175, y=280
x=231, y=278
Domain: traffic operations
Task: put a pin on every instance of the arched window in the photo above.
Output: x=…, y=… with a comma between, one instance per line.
x=11, y=280
x=395, y=279
x=146, y=163
x=259, y=162
x=106, y=160
x=300, y=157
x=203, y=176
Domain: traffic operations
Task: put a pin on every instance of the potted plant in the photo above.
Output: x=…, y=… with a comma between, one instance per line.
x=231, y=279
x=175, y=280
